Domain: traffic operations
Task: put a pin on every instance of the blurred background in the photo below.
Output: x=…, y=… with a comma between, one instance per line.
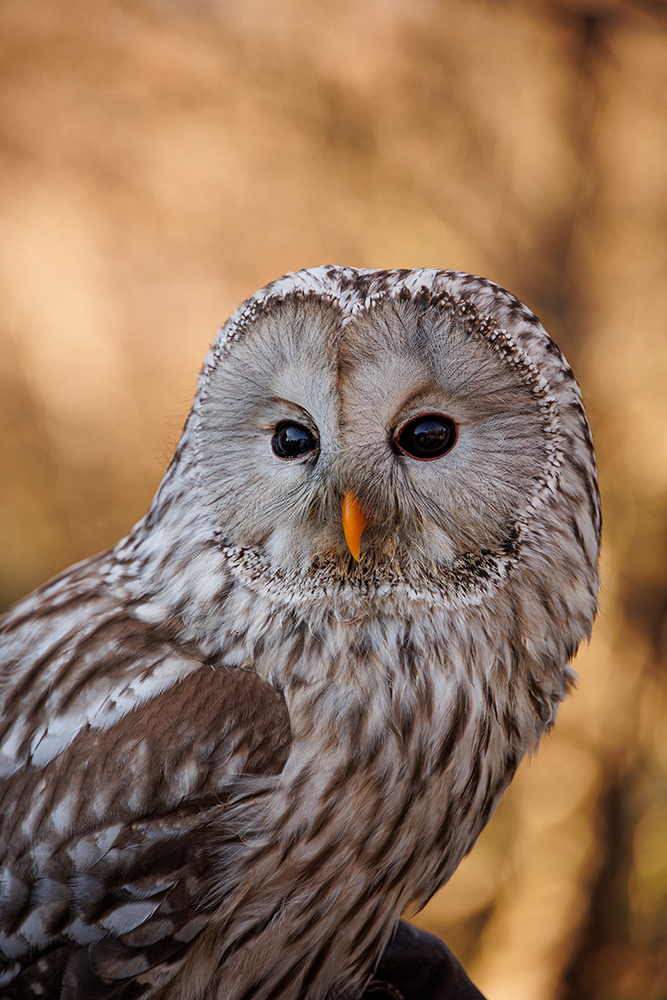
x=161, y=159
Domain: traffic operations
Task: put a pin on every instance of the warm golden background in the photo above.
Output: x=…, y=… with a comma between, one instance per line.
x=161, y=159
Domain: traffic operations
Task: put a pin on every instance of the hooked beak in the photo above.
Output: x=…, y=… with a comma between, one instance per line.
x=354, y=522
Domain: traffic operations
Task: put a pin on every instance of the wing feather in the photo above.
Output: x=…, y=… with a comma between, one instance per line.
x=113, y=827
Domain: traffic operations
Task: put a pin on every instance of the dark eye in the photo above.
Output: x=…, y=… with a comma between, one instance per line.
x=293, y=440
x=426, y=437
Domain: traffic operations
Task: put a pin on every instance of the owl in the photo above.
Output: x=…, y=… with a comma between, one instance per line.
x=237, y=746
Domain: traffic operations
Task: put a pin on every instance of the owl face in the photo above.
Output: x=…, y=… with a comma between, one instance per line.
x=407, y=421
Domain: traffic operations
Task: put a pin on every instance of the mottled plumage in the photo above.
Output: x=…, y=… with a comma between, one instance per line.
x=231, y=755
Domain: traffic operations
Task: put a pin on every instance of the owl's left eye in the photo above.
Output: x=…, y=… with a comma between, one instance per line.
x=292, y=440
x=427, y=437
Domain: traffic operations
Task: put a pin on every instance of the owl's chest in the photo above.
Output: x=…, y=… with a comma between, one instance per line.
x=395, y=765
x=389, y=781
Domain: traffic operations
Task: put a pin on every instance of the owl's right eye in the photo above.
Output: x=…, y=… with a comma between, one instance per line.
x=293, y=440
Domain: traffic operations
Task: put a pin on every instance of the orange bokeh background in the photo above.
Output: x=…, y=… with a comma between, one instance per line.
x=161, y=159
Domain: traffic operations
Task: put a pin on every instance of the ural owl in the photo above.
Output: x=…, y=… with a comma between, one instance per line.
x=236, y=747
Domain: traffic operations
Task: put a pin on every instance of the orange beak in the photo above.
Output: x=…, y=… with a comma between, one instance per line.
x=354, y=522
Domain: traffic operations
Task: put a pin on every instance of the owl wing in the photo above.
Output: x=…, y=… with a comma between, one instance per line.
x=115, y=837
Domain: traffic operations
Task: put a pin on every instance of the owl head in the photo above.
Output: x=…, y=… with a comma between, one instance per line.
x=390, y=432
x=406, y=419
